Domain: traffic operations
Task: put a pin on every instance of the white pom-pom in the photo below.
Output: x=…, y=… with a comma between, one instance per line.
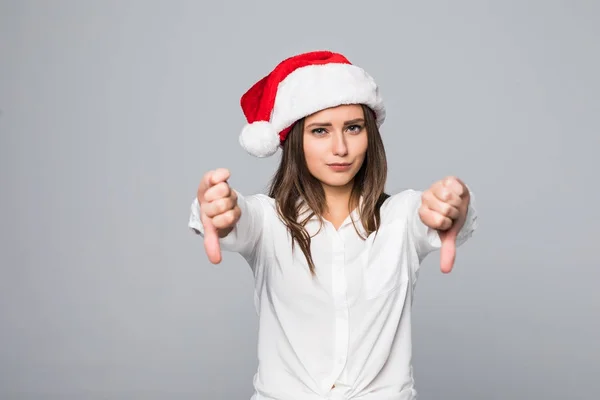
x=259, y=139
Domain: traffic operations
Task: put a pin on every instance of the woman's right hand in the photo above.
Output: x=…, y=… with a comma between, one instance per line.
x=219, y=210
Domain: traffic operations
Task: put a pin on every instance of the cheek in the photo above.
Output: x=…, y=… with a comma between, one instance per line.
x=312, y=153
x=360, y=146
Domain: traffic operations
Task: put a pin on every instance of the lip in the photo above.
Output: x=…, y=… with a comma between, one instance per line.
x=340, y=167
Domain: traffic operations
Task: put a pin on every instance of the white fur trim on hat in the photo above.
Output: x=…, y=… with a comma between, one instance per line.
x=260, y=139
x=314, y=88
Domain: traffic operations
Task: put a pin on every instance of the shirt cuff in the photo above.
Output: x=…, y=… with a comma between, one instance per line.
x=195, y=223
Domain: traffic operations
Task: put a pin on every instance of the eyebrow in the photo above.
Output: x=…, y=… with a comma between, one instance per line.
x=352, y=121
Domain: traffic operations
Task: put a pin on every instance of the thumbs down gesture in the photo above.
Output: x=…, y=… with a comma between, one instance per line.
x=444, y=208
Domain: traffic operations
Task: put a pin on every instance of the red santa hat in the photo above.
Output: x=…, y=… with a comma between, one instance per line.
x=300, y=86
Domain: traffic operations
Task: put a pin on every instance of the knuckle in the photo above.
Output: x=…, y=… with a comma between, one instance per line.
x=215, y=193
x=220, y=206
x=454, y=199
x=229, y=218
x=457, y=212
x=211, y=210
x=227, y=204
x=223, y=171
x=206, y=177
x=446, y=209
x=223, y=220
x=442, y=221
x=223, y=189
x=209, y=195
x=451, y=212
x=446, y=194
x=439, y=219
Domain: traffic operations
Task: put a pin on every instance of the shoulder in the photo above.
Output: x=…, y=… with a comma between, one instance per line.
x=258, y=198
x=264, y=200
x=257, y=201
x=401, y=204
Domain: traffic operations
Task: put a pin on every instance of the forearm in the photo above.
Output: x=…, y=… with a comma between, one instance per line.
x=244, y=235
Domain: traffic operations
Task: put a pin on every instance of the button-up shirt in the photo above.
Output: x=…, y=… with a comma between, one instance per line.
x=344, y=333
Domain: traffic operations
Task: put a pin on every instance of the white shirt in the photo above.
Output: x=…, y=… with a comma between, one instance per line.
x=350, y=326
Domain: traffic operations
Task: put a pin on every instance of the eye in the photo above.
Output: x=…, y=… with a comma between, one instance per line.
x=355, y=128
x=319, y=131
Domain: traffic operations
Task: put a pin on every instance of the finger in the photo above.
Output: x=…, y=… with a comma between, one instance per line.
x=212, y=246
x=454, y=184
x=446, y=195
x=210, y=179
x=446, y=209
x=434, y=219
x=218, y=191
x=447, y=251
x=220, y=175
x=219, y=206
x=204, y=186
x=227, y=219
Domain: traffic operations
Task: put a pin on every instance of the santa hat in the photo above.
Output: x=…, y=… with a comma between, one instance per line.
x=300, y=86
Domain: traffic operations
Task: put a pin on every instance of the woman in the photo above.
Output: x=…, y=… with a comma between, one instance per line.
x=334, y=258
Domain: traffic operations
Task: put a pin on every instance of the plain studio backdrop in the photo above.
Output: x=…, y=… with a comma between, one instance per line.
x=111, y=112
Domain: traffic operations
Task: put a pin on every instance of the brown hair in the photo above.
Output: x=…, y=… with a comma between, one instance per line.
x=293, y=181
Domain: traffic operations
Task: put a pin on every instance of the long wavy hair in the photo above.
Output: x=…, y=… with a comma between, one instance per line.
x=293, y=182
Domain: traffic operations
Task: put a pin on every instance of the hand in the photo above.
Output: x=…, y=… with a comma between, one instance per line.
x=444, y=208
x=219, y=210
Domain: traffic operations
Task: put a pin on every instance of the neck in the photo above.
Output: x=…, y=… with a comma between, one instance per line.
x=337, y=199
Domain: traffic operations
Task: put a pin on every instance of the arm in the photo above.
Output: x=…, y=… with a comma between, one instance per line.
x=244, y=235
x=225, y=218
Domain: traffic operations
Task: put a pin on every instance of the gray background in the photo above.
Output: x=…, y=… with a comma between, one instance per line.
x=111, y=111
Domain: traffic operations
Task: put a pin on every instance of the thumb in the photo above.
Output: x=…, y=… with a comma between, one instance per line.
x=211, y=237
x=448, y=237
x=211, y=240
x=448, y=250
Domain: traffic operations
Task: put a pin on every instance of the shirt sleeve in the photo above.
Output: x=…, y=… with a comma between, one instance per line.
x=246, y=234
x=427, y=239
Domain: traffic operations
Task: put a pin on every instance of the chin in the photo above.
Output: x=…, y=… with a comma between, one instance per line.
x=340, y=180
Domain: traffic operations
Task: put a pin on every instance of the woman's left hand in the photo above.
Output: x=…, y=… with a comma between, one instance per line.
x=444, y=208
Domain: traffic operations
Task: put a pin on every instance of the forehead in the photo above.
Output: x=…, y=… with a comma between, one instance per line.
x=341, y=113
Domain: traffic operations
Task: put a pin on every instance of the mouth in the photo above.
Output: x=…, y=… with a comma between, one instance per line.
x=340, y=166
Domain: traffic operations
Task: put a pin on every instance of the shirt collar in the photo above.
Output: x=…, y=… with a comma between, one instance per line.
x=353, y=216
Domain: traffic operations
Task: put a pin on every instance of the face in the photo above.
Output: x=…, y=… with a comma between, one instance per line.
x=335, y=145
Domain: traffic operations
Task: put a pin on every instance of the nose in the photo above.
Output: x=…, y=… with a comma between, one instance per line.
x=339, y=145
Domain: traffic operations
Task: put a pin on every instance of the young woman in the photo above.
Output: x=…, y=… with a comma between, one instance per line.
x=334, y=258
